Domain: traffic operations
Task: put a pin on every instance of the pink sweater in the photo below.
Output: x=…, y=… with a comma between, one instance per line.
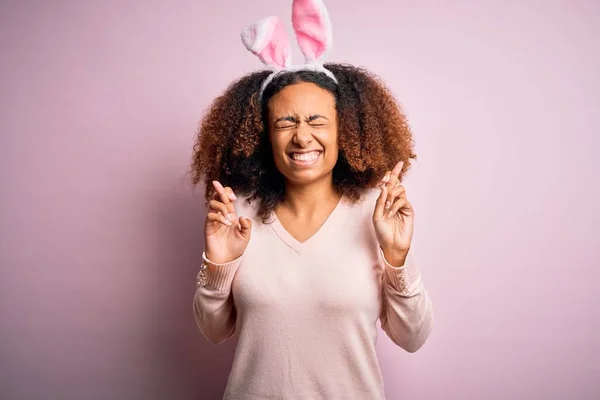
x=306, y=313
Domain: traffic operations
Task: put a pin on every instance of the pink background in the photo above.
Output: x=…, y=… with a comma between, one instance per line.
x=101, y=234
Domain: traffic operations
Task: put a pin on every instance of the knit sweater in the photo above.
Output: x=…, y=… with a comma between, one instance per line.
x=305, y=312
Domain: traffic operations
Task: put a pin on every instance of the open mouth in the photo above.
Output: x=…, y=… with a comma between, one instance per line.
x=305, y=158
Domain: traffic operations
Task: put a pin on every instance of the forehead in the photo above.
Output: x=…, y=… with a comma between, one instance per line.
x=302, y=98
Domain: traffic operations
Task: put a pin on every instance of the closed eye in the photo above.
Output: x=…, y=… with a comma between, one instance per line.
x=317, y=120
x=285, y=127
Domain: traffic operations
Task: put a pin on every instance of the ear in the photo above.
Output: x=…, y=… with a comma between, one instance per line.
x=313, y=28
x=268, y=40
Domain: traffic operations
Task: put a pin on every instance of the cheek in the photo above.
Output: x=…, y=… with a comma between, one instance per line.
x=332, y=155
x=277, y=145
x=330, y=142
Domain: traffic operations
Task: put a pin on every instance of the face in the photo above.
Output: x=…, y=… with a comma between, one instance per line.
x=303, y=132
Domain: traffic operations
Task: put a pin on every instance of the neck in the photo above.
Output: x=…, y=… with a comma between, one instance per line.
x=303, y=200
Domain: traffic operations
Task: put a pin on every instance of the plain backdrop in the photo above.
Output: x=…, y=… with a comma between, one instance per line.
x=101, y=231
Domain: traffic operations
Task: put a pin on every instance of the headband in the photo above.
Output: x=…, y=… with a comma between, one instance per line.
x=268, y=40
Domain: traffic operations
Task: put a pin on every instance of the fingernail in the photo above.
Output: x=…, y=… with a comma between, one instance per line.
x=230, y=217
x=390, y=214
x=228, y=223
x=233, y=197
x=388, y=204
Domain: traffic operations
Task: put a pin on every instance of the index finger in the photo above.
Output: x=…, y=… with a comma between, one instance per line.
x=397, y=169
x=222, y=192
x=394, y=175
x=216, y=195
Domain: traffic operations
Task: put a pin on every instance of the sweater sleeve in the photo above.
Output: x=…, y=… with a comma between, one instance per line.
x=214, y=310
x=407, y=312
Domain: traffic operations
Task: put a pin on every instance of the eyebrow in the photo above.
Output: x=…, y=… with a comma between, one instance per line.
x=288, y=118
x=293, y=119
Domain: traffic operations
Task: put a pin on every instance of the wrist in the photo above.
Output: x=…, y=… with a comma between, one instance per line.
x=215, y=259
x=220, y=259
x=395, y=257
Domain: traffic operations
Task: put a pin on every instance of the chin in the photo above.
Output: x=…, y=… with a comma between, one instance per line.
x=304, y=177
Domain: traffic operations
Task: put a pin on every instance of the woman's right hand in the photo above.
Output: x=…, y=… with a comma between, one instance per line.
x=225, y=235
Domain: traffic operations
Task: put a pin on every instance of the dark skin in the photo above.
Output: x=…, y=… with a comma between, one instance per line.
x=303, y=124
x=303, y=131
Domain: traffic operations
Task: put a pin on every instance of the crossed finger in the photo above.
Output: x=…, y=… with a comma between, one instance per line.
x=399, y=201
x=391, y=181
x=218, y=217
x=222, y=210
x=225, y=194
x=391, y=177
x=221, y=205
x=395, y=174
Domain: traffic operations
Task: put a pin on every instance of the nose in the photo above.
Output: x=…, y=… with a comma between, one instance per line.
x=303, y=136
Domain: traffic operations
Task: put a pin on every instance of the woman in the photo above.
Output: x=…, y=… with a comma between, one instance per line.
x=308, y=234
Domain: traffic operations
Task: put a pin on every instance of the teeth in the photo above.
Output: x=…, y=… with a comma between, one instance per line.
x=305, y=156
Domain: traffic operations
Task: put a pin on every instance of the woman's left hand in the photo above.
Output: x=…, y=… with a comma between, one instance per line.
x=393, y=218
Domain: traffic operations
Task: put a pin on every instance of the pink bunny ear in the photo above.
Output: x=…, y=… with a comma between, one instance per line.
x=269, y=41
x=313, y=28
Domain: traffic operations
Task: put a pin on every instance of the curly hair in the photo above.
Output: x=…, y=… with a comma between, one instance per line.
x=232, y=145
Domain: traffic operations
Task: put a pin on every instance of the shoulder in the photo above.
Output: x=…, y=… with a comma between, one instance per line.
x=366, y=204
x=369, y=198
x=245, y=209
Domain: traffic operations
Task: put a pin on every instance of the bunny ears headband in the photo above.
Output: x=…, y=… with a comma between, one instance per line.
x=268, y=40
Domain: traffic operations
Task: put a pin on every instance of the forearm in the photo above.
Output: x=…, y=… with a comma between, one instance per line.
x=407, y=315
x=214, y=310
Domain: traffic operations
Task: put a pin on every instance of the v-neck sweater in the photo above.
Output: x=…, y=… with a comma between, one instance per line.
x=305, y=312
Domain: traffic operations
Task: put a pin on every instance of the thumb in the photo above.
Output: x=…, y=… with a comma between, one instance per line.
x=380, y=205
x=246, y=227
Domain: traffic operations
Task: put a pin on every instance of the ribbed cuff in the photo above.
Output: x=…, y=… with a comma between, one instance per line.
x=218, y=276
x=402, y=278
